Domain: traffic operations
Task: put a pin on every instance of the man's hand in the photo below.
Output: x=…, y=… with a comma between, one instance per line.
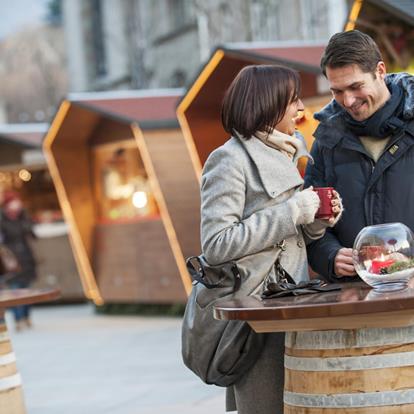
x=343, y=263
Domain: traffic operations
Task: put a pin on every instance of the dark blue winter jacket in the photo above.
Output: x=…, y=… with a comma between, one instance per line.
x=372, y=193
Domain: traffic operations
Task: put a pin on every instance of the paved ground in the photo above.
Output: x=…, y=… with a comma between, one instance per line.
x=74, y=361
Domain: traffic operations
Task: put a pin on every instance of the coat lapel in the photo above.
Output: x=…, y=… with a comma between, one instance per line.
x=276, y=171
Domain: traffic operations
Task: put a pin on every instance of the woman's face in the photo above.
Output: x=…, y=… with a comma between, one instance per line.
x=287, y=124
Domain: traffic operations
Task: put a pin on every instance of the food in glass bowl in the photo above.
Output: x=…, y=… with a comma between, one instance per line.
x=383, y=256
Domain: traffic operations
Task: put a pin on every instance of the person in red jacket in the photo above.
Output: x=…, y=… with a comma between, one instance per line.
x=16, y=230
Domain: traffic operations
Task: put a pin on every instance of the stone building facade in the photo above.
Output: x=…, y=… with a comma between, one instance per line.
x=135, y=44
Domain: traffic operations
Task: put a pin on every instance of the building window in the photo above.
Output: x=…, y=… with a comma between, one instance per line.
x=98, y=41
x=178, y=13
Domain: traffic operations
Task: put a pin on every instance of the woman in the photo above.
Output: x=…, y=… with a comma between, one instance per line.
x=252, y=199
x=16, y=229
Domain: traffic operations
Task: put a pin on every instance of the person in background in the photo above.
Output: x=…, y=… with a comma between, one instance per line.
x=252, y=199
x=364, y=148
x=16, y=229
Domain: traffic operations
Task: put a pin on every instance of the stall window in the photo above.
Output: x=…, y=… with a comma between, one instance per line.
x=122, y=187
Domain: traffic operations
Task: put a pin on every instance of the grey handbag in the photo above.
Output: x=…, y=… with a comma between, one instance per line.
x=220, y=352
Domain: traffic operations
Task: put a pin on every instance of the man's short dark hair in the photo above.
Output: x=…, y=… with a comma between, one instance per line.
x=351, y=47
x=258, y=97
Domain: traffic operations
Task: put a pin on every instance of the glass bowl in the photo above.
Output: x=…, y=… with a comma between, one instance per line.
x=383, y=256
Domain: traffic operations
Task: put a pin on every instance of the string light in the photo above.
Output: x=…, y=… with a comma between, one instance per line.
x=139, y=199
x=25, y=175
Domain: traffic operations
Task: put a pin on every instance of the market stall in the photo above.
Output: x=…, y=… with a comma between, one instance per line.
x=126, y=186
x=23, y=169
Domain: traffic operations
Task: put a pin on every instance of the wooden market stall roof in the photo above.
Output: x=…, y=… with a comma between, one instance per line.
x=306, y=55
x=28, y=135
x=145, y=114
x=17, y=139
x=391, y=24
x=151, y=108
x=199, y=110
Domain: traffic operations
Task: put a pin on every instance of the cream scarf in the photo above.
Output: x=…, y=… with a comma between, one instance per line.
x=375, y=146
x=290, y=145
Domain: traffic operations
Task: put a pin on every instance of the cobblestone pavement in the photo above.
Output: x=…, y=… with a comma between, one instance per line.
x=75, y=361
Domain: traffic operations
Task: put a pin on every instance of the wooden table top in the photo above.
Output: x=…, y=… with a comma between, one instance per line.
x=355, y=305
x=16, y=297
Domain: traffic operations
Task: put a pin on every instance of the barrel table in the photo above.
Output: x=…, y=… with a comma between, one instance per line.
x=346, y=352
x=11, y=394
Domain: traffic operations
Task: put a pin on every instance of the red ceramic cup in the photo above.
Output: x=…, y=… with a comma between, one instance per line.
x=325, y=209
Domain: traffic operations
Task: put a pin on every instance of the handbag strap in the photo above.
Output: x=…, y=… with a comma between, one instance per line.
x=282, y=274
x=198, y=274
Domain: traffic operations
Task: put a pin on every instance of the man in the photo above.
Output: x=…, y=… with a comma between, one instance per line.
x=364, y=148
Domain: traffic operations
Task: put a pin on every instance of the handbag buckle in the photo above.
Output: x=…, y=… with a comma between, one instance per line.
x=237, y=277
x=282, y=245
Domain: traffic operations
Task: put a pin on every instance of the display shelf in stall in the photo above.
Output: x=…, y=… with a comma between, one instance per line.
x=53, y=229
x=126, y=220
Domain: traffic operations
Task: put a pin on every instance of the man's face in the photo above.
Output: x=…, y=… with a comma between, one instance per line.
x=360, y=93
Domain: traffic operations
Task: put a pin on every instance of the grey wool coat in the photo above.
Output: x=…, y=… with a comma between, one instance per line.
x=245, y=208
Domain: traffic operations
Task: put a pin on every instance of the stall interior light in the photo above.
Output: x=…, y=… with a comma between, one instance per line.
x=139, y=199
x=25, y=175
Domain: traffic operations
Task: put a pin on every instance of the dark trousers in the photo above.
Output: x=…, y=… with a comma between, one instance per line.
x=22, y=311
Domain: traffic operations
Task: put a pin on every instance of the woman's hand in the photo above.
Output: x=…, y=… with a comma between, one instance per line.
x=305, y=205
x=316, y=229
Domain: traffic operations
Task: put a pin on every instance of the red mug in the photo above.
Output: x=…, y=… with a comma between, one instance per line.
x=325, y=195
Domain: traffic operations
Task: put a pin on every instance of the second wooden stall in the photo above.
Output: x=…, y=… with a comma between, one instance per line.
x=125, y=182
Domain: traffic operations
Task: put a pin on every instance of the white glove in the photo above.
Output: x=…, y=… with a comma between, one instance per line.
x=317, y=229
x=304, y=205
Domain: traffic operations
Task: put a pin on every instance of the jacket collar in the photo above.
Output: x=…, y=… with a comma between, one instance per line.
x=330, y=137
x=277, y=172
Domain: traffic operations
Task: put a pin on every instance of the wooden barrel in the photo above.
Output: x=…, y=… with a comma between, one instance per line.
x=369, y=371
x=11, y=394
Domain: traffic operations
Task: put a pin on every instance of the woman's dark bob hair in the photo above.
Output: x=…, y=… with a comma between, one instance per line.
x=257, y=99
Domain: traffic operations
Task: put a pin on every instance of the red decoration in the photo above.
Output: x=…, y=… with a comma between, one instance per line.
x=377, y=265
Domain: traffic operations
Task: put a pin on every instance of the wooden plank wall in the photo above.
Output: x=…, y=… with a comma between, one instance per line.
x=134, y=263
x=179, y=185
x=71, y=153
x=57, y=270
